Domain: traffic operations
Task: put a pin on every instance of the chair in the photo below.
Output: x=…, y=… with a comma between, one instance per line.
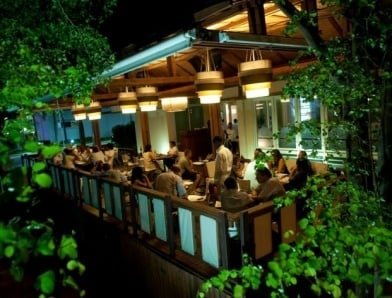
x=256, y=230
x=250, y=174
x=210, y=169
x=180, y=154
x=244, y=185
x=286, y=221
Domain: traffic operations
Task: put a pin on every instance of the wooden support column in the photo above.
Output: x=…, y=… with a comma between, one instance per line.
x=215, y=121
x=256, y=18
x=145, y=128
x=96, y=133
x=82, y=135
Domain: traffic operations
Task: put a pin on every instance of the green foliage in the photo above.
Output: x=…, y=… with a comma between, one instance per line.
x=261, y=160
x=352, y=79
x=34, y=242
x=235, y=281
x=343, y=246
x=48, y=50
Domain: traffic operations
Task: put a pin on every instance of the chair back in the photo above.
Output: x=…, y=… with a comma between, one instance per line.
x=244, y=185
x=211, y=168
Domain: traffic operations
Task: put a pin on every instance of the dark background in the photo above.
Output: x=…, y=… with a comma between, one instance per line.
x=143, y=22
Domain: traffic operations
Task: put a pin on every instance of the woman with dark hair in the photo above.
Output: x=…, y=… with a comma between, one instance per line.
x=278, y=164
x=139, y=178
x=300, y=173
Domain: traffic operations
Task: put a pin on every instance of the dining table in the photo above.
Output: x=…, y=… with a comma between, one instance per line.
x=163, y=157
x=201, y=167
x=83, y=165
x=283, y=178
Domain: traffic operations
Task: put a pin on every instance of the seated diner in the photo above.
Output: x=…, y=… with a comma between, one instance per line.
x=269, y=187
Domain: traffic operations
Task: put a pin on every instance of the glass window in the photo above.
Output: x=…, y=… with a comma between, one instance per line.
x=336, y=139
x=310, y=119
x=286, y=117
x=264, y=124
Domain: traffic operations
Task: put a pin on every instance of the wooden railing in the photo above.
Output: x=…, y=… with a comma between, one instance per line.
x=174, y=225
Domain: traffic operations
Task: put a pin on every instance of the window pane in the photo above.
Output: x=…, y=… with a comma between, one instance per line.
x=264, y=124
x=286, y=116
x=310, y=118
x=336, y=134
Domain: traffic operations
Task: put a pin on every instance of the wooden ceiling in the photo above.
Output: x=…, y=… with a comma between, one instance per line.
x=175, y=74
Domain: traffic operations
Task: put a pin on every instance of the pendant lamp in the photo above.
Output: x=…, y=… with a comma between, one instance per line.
x=79, y=112
x=209, y=84
x=147, y=98
x=255, y=75
x=127, y=102
x=174, y=104
x=94, y=111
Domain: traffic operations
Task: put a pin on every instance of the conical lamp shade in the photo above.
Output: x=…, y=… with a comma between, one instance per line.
x=147, y=98
x=209, y=86
x=127, y=102
x=174, y=104
x=255, y=77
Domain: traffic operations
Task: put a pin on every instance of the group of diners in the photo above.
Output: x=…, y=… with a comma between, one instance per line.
x=85, y=156
x=170, y=175
x=267, y=173
x=233, y=199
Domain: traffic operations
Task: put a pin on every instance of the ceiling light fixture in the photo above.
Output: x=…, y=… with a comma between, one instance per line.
x=127, y=102
x=147, y=98
x=79, y=112
x=174, y=104
x=94, y=111
x=209, y=83
x=255, y=75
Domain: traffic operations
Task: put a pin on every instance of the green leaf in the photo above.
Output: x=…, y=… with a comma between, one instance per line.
x=43, y=180
x=303, y=223
x=38, y=166
x=9, y=251
x=50, y=151
x=46, y=282
x=31, y=146
x=238, y=291
x=275, y=268
x=6, y=234
x=46, y=245
x=67, y=247
x=17, y=272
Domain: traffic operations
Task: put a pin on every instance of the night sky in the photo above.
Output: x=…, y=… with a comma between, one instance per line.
x=143, y=22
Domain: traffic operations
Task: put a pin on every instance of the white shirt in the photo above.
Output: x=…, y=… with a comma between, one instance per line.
x=223, y=165
x=173, y=151
x=109, y=156
x=98, y=156
x=149, y=163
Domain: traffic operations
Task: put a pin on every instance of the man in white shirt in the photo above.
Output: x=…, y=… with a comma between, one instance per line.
x=232, y=138
x=173, y=150
x=223, y=162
